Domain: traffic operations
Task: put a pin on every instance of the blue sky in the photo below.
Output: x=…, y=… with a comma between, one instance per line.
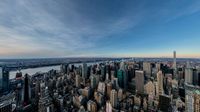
x=103, y=28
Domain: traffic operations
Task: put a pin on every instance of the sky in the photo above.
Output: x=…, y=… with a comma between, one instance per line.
x=99, y=28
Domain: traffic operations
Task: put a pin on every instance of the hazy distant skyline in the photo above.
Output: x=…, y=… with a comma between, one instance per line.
x=103, y=28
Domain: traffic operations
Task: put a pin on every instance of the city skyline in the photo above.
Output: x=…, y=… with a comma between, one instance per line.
x=35, y=29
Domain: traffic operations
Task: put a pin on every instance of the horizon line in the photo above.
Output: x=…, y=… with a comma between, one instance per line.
x=162, y=57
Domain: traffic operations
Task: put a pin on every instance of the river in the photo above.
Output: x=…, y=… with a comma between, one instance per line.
x=32, y=71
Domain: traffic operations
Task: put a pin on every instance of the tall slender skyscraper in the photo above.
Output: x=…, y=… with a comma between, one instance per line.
x=84, y=72
x=188, y=74
x=26, y=90
x=174, y=65
x=160, y=83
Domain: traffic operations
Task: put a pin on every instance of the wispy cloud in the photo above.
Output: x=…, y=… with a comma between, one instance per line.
x=28, y=26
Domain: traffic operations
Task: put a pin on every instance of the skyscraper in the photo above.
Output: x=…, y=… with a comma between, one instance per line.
x=113, y=98
x=77, y=80
x=101, y=87
x=108, y=71
x=188, y=74
x=4, y=80
x=93, y=82
x=120, y=76
x=160, y=83
x=120, y=95
x=125, y=78
x=195, y=77
x=108, y=89
x=122, y=65
x=174, y=65
x=103, y=72
x=139, y=81
x=158, y=66
x=26, y=90
x=164, y=103
x=147, y=69
x=84, y=72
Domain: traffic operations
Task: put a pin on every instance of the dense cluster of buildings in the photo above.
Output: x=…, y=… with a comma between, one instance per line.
x=111, y=86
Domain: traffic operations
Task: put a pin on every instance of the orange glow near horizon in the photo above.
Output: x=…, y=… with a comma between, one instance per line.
x=181, y=55
x=14, y=52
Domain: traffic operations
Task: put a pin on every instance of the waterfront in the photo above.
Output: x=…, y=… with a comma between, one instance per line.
x=32, y=71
